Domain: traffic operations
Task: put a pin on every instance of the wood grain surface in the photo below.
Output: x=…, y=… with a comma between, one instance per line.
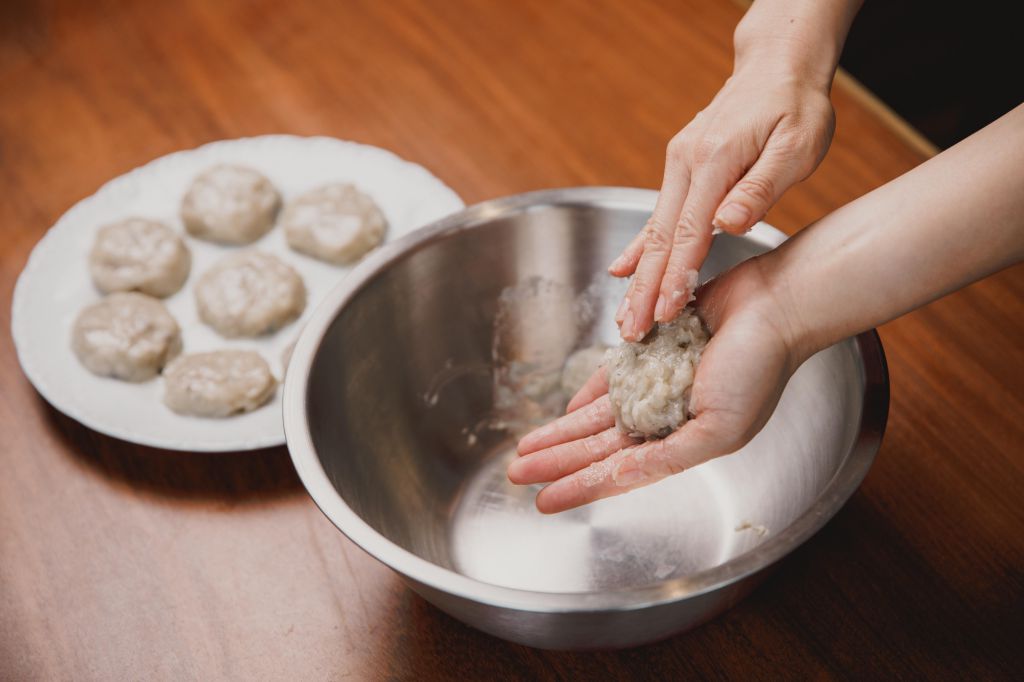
x=121, y=562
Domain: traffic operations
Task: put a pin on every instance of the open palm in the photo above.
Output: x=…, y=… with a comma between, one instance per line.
x=745, y=366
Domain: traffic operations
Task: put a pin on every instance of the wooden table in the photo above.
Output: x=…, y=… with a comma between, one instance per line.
x=121, y=562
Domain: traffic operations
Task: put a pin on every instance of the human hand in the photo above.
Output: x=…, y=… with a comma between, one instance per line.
x=767, y=129
x=738, y=382
x=769, y=314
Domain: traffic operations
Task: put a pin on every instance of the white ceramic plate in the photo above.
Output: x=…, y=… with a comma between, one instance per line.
x=55, y=284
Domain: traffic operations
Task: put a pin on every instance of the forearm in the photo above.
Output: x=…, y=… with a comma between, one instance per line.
x=798, y=38
x=951, y=221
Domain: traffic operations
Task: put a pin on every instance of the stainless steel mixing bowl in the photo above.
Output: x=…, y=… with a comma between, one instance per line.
x=408, y=385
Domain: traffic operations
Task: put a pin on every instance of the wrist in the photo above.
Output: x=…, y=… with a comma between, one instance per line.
x=801, y=335
x=786, y=59
x=800, y=41
x=751, y=289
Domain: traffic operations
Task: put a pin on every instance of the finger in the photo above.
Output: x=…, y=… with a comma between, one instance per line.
x=657, y=243
x=586, y=421
x=561, y=460
x=774, y=172
x=625, y=264
x=634, y=467
x=692, y=239
x=620, y=314
x=670, y=200
x=638, y=313
x=596, y=386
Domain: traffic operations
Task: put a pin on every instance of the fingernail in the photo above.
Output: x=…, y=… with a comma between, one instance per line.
x=620, y=313
x=692, y=278
x=659, y=308
x=630, y=469
x=627, y=326
x=513, y=471
x=732, y=215
x=617, y=264
x=678, y=301
x=624, y=475
x=681, y=298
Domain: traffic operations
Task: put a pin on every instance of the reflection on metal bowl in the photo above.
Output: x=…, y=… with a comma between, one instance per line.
x=411, y=381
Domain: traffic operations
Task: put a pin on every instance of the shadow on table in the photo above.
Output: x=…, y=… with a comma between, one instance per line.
x=427, y=639
x=234, y=477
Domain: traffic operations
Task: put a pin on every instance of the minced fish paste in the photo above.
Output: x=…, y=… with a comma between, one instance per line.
x=649, y=381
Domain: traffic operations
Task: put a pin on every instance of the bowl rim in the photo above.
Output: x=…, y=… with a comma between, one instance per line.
x=874, y=414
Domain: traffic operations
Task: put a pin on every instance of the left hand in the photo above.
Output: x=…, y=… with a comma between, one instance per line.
x=738, y=382
x=766, y=129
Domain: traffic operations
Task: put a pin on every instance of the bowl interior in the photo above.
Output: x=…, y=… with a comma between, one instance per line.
x=425, y=379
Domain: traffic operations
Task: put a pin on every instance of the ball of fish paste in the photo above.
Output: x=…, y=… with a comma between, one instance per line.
x=580, y=366
x=218, y=384
x=128, y=336
x=137, y=254
x=230, y=204
x=249, y=293
x=335, y=223
x=649, y=381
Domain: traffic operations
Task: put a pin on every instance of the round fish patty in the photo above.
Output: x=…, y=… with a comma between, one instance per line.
x=335, y=223
x=249, y=293
x=218, y=383
x=142, y=255
x=230, y=204
x=128, y=336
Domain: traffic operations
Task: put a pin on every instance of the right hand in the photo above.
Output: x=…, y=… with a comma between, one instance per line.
x=750, y=357
x=766, y=130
